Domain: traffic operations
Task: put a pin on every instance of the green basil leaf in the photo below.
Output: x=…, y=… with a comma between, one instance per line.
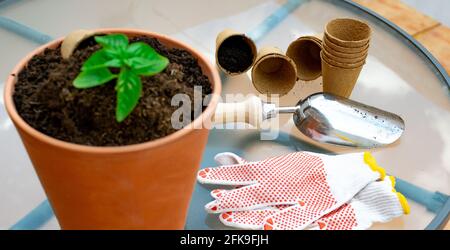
x=146, y=67
x=129, y=90
x=134, y=60
x=141, y=49
x=101, y=59
x=93, y=78
x=144, y=60
x=113, y=43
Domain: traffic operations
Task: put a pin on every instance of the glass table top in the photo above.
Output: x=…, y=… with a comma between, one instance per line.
x=398, y=77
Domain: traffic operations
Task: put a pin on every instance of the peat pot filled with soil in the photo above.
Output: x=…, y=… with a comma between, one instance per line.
x=98, y=127
x=235, y=52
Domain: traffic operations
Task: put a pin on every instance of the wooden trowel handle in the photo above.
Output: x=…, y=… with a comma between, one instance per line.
x=249, y=111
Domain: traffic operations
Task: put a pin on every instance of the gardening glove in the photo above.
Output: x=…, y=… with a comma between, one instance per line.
x=314, y=184
x=377, y=202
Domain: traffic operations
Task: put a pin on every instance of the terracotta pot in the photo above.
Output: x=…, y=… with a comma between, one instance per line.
x=143, y=186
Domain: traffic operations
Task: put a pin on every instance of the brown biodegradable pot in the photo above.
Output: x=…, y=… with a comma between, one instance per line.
x=143, y=186
x=339, y=81
x=241, y=40
x=340, y=64
x=349, y=33
x=274, y=73
x=344, y=60
x=305, y=51
x=73, y=39
x=344, y=55
x=345, y=50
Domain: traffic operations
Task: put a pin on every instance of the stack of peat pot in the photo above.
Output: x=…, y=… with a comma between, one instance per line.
x=344, y=53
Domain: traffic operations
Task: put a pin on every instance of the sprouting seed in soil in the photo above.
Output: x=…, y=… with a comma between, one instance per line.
x=134, y=60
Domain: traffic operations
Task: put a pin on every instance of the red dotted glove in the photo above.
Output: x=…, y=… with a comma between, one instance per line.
x=377, y=202
x=313, y=184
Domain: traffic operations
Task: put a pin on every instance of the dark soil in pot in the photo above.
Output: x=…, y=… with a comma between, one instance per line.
x=47, y=100
x=235, y=54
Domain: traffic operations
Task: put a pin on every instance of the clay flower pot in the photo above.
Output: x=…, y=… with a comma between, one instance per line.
x=143, y=186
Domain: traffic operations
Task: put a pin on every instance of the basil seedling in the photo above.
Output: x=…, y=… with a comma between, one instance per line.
x=134, y=60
